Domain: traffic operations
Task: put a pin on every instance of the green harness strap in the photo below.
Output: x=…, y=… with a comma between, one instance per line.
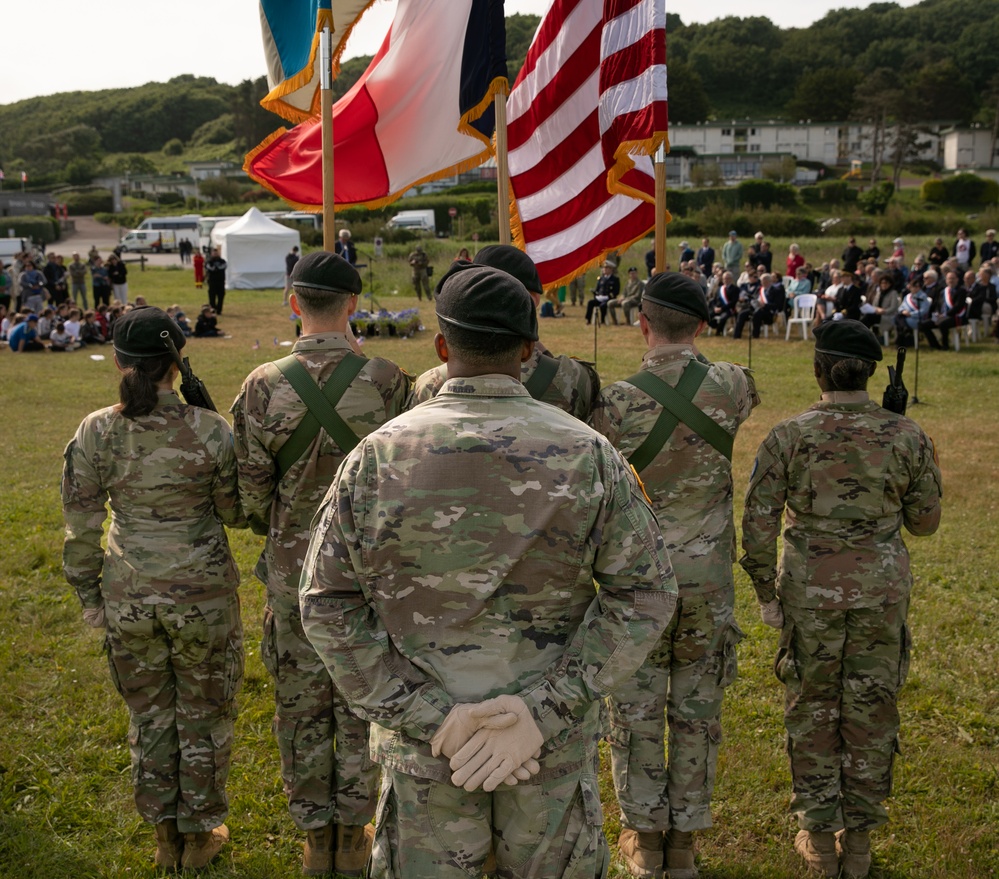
x=321, y=404
x=677, y=407
x=541, y=378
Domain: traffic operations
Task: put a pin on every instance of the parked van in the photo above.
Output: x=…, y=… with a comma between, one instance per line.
x=153, y=240
x=11, y=247
x=185, y=226
x=416, y=221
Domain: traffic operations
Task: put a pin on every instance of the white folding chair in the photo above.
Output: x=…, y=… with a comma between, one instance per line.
x=802, y=313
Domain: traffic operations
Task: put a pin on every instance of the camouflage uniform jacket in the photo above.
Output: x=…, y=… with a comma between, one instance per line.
x=573, y=389
x=171, y=480
x=847, y=475
x=454, y=560
x=689, y=482
x=265, y=415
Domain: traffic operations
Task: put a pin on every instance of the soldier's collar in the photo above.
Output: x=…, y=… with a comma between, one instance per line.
x=662, y=353
x=846, y=397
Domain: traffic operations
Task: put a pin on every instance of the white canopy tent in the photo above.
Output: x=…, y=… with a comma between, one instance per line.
x=254, y=247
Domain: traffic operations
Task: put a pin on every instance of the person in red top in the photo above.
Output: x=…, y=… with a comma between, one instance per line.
x=794, y=261
x=199, y=269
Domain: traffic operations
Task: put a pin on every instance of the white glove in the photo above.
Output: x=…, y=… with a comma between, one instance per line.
x=94, y=617
x=464, y=720
x=772, y=614
x=492, y=757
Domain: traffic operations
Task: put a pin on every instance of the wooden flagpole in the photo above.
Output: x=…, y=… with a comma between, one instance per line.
x=660, y=162
x=502, y=171
x=326, y=104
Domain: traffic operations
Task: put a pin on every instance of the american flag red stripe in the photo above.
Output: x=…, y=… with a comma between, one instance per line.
x=585, y=114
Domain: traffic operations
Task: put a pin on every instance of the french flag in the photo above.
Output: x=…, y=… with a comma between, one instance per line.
x=422, y=110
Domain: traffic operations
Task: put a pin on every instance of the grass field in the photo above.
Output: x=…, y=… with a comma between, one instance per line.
x=65, y=793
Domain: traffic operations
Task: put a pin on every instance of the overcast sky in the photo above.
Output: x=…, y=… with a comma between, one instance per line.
x=102, y=44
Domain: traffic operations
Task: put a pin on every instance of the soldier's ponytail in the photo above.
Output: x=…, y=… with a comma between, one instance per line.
x=139, y=377
x=844, y=373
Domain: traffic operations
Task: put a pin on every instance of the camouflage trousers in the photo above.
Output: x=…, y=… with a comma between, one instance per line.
x=421, y=284
x=682, y=681
x=842, y=671
x=552, y=829
x=327, y=773
x=178, y=667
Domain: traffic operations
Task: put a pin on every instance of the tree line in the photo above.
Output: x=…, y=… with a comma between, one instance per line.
x=936, y=60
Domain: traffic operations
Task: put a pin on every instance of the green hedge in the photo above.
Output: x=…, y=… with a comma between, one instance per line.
x=832, y=192
x=88, y=201
x=960, y=189
x=767, y=193
x=41, y=230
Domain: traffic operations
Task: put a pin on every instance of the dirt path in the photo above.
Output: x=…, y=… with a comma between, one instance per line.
x=89, y=232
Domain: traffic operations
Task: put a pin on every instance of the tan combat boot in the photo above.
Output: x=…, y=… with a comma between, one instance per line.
x=854, y=847
x=353, y=848
x=642, y=853
x=169, y=845
x=201, y=848
x=819, y=852
x=680, y=855
x=317, y=859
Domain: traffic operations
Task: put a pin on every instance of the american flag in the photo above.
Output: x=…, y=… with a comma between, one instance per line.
x=585, y=115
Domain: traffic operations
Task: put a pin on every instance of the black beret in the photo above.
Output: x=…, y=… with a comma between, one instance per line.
x=677, y=291
x=486, y=300
x=139, y=332
x=514, y=262
x=323, y=270
x=847, y=338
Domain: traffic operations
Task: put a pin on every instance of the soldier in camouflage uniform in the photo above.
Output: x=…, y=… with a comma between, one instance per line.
x=570, y=384
x=684, y=679
x=418, y=264
x=453, y=562
x=846, y=475
x=331, y=792
x=165, y=587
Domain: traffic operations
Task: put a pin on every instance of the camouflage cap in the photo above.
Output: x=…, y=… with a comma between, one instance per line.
x=847, y=338
x=514, y=262
x=486, y=300
x=142, y=331
x=322, y=270
x=679, y=292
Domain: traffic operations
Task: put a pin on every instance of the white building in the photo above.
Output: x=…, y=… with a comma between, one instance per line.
x=966, y=149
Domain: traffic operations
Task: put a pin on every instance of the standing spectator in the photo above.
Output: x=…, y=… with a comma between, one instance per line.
x=706, y=257
x=687, y=474
x=873, y=251
x=344, y=247
x=100, y=281
x=198, y=262
x=118, y=275
x=55, y=280
x=990, y=247
x=794, y=261
x=419, y=265
x=289, y=264
x=577, y=289
x=938, y=253
x=331, y=790
x=844, y=476
x=686, y=252
x=732, y=253
x=215, y=272
x=964, y=250
x=764, y=257
x=93, y=254
x=851, y=256
x=24, y=336
x=898, y=252
x=650, y=266
x=164, y=590
x=607, y=288
x=78, y=280
x=33, y=290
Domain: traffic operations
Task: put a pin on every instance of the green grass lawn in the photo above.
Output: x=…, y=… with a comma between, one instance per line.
x=65, y=793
